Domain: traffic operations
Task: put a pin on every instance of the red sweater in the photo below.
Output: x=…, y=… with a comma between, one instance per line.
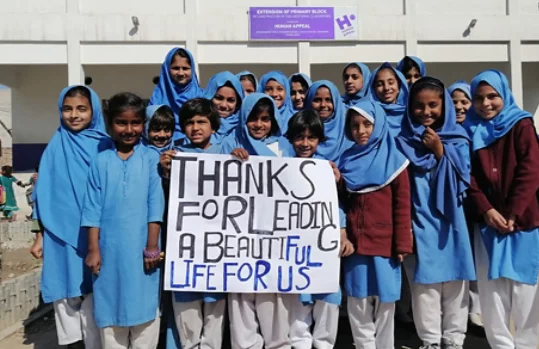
x=379, y=223
x=505, y=176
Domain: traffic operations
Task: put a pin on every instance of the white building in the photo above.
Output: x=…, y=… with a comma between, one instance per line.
x=45, y=45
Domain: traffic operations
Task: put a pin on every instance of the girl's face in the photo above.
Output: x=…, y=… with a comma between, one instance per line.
x=198, y=130
x=127, y=128
x=427, y=107
x=248, y=86
x=352, y=80
x=412, y=76
x=487, y=102
x=461, y=103
x=180, y=70
x=259, y=126
x=386, y=86
x=225, y=101
x=323, y=103
x=305, y=144
x=76, y=113
x=297, y=95
x=360, y=128
x=159, y=138
x=276, y=91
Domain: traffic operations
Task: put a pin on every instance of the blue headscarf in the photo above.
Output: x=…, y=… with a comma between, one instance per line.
x=448, y=187
x=229, y=123
x=307, y=81
x=248, y=73
x=395, y=111
x=418, y=61
x=257, y=146
x=63, y=171
x=370, y=167
x=150, y=112
x=170, y=93
x=463, y=86
x=485, y=132
x=336, y=142
x=286, y=110
x=366, y=72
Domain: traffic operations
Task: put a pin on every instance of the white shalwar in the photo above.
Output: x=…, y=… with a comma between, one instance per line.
x=371, y=322
x=144, y=336
x=75, y=322
x=326, y=321
x=503, y=299
x=259, y=320
x=200, y=324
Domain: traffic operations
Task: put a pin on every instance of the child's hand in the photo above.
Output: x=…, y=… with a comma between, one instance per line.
x=495, y=220
x=432, y=141
x=401, y=256
x=93, y=261
x=152, y=263
x=240, y=153
x=336, y=171
x=37, y=248
x=347, y=248
x=166, y=161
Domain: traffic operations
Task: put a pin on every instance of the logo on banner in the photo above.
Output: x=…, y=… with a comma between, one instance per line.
x=346, y=24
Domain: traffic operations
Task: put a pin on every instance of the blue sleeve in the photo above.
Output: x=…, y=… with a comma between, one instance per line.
x=156, y=199
x=228, y=144
x=92, y=208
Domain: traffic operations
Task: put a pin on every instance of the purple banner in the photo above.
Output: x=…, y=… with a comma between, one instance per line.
x=302, y=23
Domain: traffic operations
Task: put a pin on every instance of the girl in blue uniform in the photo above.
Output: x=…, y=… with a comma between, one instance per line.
x=248, y=81
x=355, y=78
x=389, y=88
x=412, y=68
x=178, y=83
x=226, y=93
x=59, y=199
x=159, y=127
x=323, y=97
x=305, y=133
x=258, y=320
x=198, y=320
x=276, y=85
x=462, y=99
x=438, y=150
x=123, y=210
x=299, y=84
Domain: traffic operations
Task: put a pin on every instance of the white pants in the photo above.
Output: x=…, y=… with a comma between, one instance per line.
x=75, y=321
x=440, y=310
x=259, y=320
x=326, y=322
x=200, y=325
x=475, y=304
x=503, y=298
x=143, y=336
x=372, y=323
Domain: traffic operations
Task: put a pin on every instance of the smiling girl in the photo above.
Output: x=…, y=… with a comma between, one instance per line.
x=248, y=81
x=355, y=77
x=299, y=84
x=276, y=85
x=462, y=99
x=412, y=68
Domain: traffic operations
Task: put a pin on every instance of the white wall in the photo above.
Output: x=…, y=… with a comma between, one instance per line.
x=5, y=116
x=530, y=74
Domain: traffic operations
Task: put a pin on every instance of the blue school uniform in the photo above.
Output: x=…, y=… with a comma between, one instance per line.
x=441, y=234
x=59, y=196
x=307, y=81
x=150, y=112
x=350, y=100
x=248, y=73
x=367, y=168
x=336, y=143
x=123, y=197
x=168, y=92
x=286, y=110
x=228, y=124
x=418, y=61
x=395, y=111
x=242, y=139
x=461, y=85
x=516, y=255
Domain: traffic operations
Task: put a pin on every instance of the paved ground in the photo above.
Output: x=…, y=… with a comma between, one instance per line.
x=42, y=335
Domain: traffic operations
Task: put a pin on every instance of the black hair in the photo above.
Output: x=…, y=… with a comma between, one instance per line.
x=305, y=120
x=79, y=90
x=238, y=98
x=427, y=83
x=37, y=166
x=162, y=119
x=408, y=64
x=7, y=168
x=249, y=77
x=265, y=104
x=352, y=65
x=301, y=80
x=121, y=102
x=200, y=107
x=183, y=54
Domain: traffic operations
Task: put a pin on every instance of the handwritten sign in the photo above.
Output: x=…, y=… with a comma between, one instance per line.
x=262, y=225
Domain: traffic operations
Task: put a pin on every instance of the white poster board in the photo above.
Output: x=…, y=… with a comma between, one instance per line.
x=262, y=225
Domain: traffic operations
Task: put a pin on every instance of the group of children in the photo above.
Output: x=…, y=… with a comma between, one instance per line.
x=417, y=166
